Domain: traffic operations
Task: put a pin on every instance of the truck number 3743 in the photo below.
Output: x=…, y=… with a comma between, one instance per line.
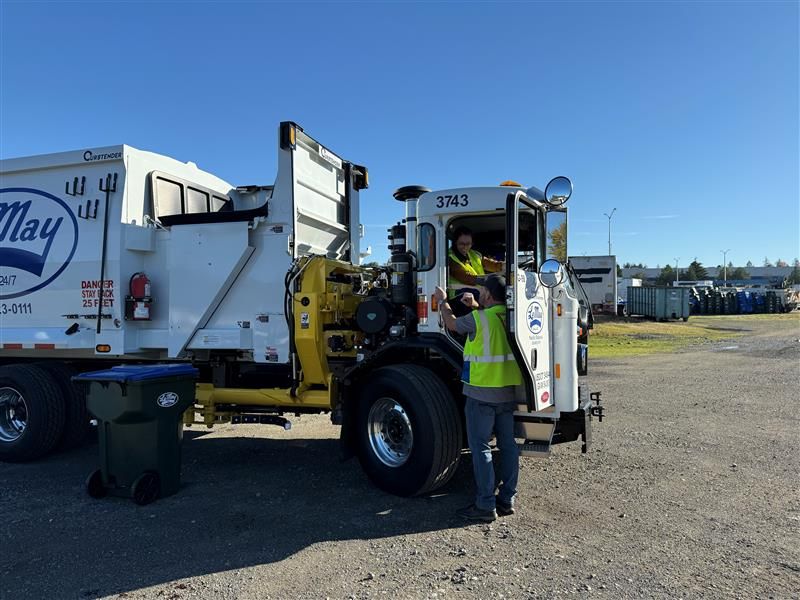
x=455, y=200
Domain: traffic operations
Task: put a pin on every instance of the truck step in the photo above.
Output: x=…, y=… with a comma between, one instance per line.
x=535, y=448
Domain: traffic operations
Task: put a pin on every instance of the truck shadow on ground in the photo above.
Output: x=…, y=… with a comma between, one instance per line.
x=244, y=502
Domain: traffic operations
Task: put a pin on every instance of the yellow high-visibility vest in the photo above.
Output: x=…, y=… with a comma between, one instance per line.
x=473, y=266
x=488, y=359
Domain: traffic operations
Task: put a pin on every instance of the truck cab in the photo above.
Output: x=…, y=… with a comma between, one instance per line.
x=526, y=229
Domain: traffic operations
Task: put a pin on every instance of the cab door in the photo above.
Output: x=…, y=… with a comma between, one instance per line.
x=527, y=301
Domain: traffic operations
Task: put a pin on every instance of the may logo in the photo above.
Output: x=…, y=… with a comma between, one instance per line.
x=534, y=317
x=38, y=238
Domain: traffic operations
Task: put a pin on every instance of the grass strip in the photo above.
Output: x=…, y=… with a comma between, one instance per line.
x=632, y=337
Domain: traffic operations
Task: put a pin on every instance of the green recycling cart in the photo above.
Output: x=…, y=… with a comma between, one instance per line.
x=139, y=409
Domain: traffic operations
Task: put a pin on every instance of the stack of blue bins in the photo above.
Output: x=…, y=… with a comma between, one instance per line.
x=745, y=302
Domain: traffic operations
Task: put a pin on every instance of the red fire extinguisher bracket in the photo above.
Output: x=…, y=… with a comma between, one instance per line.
x=137, y=303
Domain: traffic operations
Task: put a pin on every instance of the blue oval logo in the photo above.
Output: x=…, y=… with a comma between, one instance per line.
x=168, y=399
x=535, y=315
x=38, y=238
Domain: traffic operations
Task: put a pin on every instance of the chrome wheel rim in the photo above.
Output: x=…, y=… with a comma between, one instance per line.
x=13, y=414
x=390, y=433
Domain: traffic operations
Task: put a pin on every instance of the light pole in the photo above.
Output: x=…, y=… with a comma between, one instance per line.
x=677, y=272
x=609, y=229
x=725, y=265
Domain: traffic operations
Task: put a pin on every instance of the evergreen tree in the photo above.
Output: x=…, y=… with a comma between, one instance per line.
x=794, y=276
x=749, y=264
x=696, y=271
x=619, y=270
x=666, y=277
x=737, y=273
x=766, y=262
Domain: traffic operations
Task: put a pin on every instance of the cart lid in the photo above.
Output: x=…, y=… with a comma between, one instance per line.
x=126, y=373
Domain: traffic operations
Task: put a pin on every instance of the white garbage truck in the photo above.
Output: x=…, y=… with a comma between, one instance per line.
x=116, y=255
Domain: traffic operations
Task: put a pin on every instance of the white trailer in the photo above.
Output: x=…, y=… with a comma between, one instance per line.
x=598, y=276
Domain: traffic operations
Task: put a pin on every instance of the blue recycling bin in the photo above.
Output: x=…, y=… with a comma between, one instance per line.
x=139, y=409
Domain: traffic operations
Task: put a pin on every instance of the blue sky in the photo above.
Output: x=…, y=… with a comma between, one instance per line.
x=682, y=115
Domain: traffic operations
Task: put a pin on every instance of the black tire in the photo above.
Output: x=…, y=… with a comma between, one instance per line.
x=76, y=417
x=428, y=408
x=94, y=485
x=146, y=488
x=38, y=403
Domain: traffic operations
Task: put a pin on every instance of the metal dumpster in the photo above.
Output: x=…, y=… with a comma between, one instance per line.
x=139, y=410
x=659, y=303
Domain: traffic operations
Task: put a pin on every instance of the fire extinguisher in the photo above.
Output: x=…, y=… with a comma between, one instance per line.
x=137, y=304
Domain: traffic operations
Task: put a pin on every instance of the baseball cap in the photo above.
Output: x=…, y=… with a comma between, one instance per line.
x=495, y=283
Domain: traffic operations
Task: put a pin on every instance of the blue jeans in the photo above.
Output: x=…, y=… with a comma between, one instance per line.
x=482, y=419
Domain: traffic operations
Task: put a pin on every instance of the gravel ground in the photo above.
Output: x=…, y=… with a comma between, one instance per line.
x=690, y=490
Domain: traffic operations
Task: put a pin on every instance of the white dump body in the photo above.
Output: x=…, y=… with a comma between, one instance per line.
x=216, y=269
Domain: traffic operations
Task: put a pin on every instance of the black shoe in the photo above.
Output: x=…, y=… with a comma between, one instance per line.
x=473, y=513
x=503, y=509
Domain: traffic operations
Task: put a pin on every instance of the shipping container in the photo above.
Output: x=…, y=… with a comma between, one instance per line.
x=659, y=303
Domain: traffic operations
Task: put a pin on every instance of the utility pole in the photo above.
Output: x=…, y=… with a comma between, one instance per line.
x=677, y=272
x=609, y=229
x=725, y=265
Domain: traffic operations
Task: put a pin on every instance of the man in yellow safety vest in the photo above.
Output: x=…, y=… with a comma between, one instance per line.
x=465, y=264
x=490, y=376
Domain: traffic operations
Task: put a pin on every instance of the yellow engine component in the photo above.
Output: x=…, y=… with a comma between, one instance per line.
x=323, y=309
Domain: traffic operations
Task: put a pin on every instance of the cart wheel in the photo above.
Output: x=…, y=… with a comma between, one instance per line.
x=94, y=485
x=146, y=488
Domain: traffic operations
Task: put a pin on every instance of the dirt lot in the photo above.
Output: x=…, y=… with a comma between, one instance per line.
x=690, y=490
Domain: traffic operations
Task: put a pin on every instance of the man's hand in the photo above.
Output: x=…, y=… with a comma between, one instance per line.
x=469, y=300
x=445, y=312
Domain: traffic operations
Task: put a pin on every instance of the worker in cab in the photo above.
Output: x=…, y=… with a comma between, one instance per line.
x=464, y=264
x=491, y=377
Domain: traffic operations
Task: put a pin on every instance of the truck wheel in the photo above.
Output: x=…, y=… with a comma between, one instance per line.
x=31, y=413
x=76, y=423
x=409, y=430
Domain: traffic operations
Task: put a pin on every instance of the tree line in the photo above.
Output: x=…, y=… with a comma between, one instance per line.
x=697, y=272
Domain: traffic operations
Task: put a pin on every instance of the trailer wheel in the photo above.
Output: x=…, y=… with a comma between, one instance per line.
x=409, y=430
x=31, y=413
x=76, y=417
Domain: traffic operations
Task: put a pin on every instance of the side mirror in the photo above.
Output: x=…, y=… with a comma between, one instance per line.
x=551, y=274
x=558, y=191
